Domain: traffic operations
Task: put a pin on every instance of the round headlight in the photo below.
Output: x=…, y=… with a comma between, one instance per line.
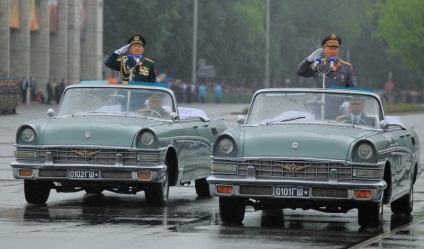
x=27, y=135
x=226, y=146
x=365, y=151
x=147, y=138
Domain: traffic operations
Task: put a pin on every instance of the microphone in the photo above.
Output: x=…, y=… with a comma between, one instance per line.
x=137, y=59
x=332, y=63
x=315, y=64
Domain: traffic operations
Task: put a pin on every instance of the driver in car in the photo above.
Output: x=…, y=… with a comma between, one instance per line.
x=154, y=107
x=356, y=114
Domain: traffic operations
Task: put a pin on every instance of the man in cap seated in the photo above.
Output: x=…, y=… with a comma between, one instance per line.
x=132, y=66
x=154, y=107
x=337, y=73
x=356, y=113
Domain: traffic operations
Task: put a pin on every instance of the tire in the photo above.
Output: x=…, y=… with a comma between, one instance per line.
x=94, y=191
x=405, y=204
x=232, y=210
x=157, y=193
x=370, y=214
x=202, y=188
x=37, y=192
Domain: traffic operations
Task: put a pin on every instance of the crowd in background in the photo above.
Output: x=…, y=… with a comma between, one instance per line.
x=54, y=90
x=187, y=92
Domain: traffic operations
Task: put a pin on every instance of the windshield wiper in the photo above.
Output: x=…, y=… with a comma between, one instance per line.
x=285, y=120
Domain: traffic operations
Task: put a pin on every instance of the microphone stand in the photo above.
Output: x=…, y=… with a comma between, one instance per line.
x=323, y=95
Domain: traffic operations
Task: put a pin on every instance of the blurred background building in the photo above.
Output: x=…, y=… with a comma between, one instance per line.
x=51, y=39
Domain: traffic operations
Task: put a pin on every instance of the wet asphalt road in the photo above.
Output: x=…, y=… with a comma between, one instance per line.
x=79, y=220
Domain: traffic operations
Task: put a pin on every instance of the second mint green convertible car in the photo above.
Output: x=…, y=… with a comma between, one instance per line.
x=119, y=138
x=322, y=149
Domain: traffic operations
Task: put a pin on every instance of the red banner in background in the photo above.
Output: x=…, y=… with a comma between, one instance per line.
x=53, y=15
x=34, y=15
x=14, y=14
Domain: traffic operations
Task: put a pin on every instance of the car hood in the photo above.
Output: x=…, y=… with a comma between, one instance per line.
x=98, y=131
x=300, y=141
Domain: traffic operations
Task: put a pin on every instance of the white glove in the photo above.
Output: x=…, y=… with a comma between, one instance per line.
x=315, y=55
x=122, y=50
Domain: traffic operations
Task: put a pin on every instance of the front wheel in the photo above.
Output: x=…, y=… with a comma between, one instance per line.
x=405, y=204
x=202, y=188
x=370, y=214
x=93, y=190
x=232, y=210
x=157, y=193
x=37, y=192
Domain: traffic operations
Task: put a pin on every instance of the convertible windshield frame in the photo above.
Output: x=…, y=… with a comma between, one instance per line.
x=285, y=106
x=113, y=100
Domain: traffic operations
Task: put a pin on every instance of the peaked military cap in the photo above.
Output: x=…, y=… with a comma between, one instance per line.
x=331, y=40
x=155, y=97
x=137, y=39
x=356, y=100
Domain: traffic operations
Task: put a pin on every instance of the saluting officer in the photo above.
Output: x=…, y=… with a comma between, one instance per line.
x=336, y=71
x=133, y=66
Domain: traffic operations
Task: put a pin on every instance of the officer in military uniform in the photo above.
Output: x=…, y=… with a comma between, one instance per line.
x=339, y=75
x=356, y=113
x=133, y=66
x=155, y=108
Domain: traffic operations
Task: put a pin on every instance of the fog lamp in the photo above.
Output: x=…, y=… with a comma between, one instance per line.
x=362, y=194
x=144, y=175
x=25, y=172
x=224, y=189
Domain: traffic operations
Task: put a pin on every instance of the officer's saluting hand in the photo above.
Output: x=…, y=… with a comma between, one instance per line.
x=133, y=66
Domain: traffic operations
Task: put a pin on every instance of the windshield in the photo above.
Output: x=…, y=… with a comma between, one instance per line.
x=144, y=102
x=284, y=107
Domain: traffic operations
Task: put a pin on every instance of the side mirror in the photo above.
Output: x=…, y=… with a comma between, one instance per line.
x=384, y=124
x=50, y=112
x=241, y=119
x=174, y=116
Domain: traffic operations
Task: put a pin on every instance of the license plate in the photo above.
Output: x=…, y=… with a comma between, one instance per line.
x=291, y=191
x=83, y=174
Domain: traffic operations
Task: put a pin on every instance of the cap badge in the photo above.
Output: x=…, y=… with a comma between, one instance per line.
x=136, y=38
x=333, y=36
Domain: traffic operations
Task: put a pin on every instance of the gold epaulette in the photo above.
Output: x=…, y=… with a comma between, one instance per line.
x=345, y=62
x=147, y=59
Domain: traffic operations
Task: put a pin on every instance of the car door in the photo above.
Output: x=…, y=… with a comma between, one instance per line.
x=401, y=160
x=189, y=145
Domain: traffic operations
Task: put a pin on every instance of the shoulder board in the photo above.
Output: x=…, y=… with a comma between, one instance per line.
x=345, y=62
x=147, y=59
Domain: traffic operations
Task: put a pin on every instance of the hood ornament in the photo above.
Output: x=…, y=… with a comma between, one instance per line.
x=295, y=145
x=86, y=154
x=87, y=135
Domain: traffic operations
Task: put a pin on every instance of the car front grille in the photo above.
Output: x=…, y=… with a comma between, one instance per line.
x=295, y=169
x=91, y=155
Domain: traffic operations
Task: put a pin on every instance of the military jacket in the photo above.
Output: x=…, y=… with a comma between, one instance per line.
x=143, y=71
x=362, y=118
x=340, y=75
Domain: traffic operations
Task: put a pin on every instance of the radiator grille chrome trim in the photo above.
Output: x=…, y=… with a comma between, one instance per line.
x=88, y=155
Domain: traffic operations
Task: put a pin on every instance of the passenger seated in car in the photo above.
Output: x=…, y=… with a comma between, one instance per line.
x=154, y=107
x=356, y=113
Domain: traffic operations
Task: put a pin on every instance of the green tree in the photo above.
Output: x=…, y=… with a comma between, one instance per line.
x=401, y=25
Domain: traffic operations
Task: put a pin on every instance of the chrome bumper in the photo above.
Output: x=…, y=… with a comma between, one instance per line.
x=59, y=172
x=238, y=182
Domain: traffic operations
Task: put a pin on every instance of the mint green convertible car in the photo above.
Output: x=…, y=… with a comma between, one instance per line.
x=330, y=150
x=119, y=138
